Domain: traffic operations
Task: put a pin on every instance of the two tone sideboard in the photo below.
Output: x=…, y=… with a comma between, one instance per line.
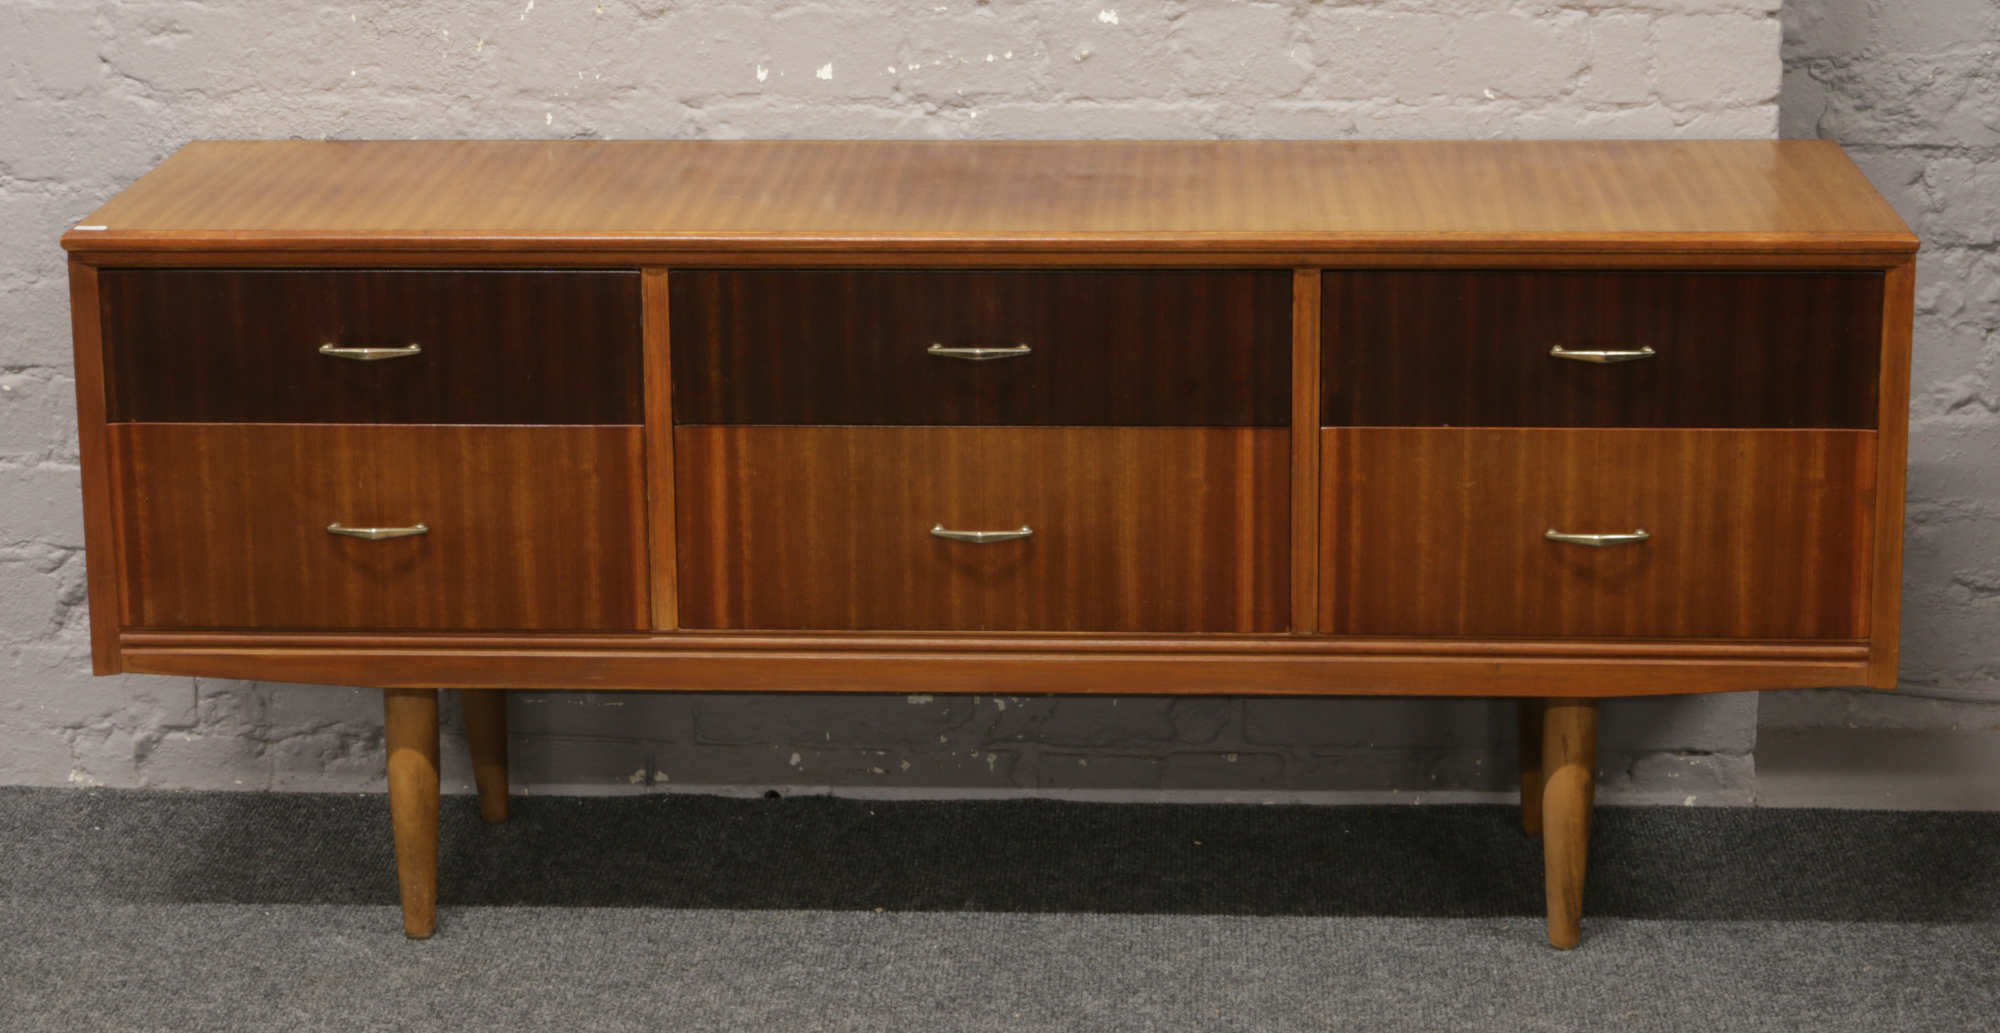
x=1554, y=421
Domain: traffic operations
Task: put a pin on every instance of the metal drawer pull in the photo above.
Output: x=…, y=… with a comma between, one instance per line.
x=378, y=533
x=1561, y=352
x=980, y=354
x=982, y=537
x=370, y=354
x=1597, y=540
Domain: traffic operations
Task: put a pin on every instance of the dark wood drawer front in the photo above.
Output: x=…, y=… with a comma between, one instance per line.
x=1756, y=534
x=529, y=528
x=1151, y=348
x=497, y=347
x=1135, y=529
x=1471, y=349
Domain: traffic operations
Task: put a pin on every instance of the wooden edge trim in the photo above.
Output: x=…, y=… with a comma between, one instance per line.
x=835, y=672
x=1305, y=450
x=102, y=569
x=968, y=256
x=1331, y=502
x=1892, y=456
x=664, y=559
x=752, y=643
x=1248, y=242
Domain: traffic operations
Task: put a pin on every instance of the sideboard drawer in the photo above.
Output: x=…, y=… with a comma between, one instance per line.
x=1761, y=534
x=1195, y=348
x=1134, y=529
x=1432, y=348
x=226, y=345
x=528, y=528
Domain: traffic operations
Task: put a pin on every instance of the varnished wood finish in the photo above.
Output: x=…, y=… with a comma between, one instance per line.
x=914, y=197
x=756, y=664
x=410, y=731
x=99, y=505
x=911, y=644
x=1569, y=788
x=485, y=713
x=530, y=527
x=858, y=256
x=1160, y=348
x=202, y=346
x=1756, y=534
x=1531, y=715
x=1135, y=529
x=1758, y=266
x=1471, y=349
x=660, y=453
x=1893, y=445
x=1305, y=449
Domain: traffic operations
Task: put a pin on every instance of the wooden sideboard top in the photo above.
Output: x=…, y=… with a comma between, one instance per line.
x=1099, y=197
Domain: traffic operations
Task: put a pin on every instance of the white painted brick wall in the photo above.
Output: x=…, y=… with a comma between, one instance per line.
x=1912, y=91
x=95, y=94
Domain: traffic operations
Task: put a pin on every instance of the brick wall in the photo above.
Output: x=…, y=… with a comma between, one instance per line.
x=1912, y=91
x=97, y=93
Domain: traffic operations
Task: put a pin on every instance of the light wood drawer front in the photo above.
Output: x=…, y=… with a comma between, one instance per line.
x=529, y=528
x=1135, y=529
x=1190, y=348
x=1754, y=534
x=243, y=346
x=1448, y=348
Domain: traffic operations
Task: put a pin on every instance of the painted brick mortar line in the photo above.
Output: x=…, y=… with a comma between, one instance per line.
x=1909, y=91
x=96, y=95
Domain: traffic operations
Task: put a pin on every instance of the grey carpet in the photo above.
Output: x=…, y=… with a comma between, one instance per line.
x=211, y=911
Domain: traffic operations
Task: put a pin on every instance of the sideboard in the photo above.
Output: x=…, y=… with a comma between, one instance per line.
x=1555, y=421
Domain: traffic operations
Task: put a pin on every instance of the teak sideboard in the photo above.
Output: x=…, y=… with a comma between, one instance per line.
x=1548, y=420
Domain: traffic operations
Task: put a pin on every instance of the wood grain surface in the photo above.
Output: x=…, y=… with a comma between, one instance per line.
x=1135, y=529
x=1549, y=253
x=1530, y=715
x=216, y=346
x=1898, y=324
x=410, y=738
x=485, y=713
x=935, y=644
x=1159, y=348
x=1471, y=349
x=796, y=195
x=710, y=669
x=1758, y=534
x=660, y=452
x=530, y=527
x=1783, y=206
x=100, y=525
x=1569, y=789
x=1306, y=353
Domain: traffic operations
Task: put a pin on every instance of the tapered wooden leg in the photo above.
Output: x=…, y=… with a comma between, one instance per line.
x=410, y=724
x=1531, y=711
x=486, y=732
x=1569, y=784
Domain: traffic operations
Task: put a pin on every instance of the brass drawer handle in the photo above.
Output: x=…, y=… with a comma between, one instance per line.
x=1597, y=540
x=1561, y=352
x=370, y=354
x=377, y=533
x=982, y=537
x=980, y=354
